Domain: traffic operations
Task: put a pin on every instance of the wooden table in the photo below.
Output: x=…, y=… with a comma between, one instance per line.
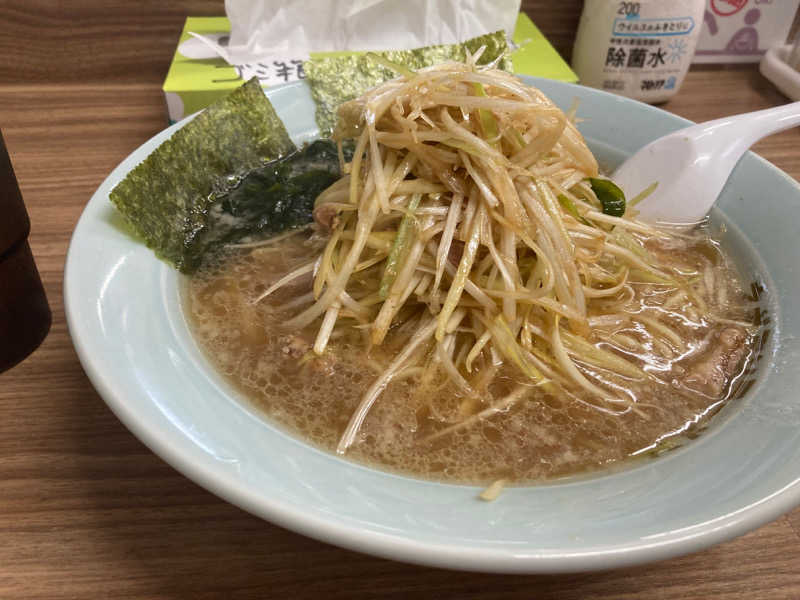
x=86, y=511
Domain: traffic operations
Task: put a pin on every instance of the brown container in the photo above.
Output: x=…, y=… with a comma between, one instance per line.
x=24, y=312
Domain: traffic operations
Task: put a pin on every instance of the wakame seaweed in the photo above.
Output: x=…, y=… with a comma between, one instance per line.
x=270, y=199
x=170, y=197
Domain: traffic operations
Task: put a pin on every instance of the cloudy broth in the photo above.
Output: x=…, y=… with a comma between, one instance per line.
x=411, y=428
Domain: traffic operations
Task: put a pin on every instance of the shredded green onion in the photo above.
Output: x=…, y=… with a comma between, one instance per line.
x=570, y=207
x=507, y=346
x=517, y=253
x=488, y=122
x=399, y=246
x=390, y=64
x=643, y=194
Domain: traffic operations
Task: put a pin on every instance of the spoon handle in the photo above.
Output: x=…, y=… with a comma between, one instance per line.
x=698, y=159
x=745, y=130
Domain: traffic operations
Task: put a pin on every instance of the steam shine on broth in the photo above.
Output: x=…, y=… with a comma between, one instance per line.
x=544, y=436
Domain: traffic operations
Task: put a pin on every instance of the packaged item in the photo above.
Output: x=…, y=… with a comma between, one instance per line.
x=264, y=28
x=198, y=75
x=736, y=31
x=637, y=49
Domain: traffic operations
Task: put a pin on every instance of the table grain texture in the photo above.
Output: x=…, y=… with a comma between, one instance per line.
x=86, y=510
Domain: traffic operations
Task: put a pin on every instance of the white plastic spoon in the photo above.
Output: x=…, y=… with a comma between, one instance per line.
x=691, y=165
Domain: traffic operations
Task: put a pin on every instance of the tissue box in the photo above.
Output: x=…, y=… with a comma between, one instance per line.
x=740, y=31
x=198, y=76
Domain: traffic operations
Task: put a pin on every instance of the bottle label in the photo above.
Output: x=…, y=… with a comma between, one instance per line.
x=635, y=27
x=650, y=47
x=638, y=49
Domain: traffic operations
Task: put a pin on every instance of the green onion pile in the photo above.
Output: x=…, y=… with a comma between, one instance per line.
x=472, y=226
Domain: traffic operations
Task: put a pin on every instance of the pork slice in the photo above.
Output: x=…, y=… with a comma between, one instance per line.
x=325, y=214
x=294, y=345
x=710, y=375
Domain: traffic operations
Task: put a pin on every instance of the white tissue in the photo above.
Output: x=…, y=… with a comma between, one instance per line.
x=264, y=29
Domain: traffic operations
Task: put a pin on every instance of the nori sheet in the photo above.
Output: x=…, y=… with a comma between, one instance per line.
x=337, y=79
x=167, y=198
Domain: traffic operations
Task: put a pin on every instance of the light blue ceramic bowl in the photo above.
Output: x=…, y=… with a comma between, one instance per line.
x=125, y=318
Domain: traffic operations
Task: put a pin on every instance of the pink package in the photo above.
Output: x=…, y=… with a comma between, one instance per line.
x=737, y=31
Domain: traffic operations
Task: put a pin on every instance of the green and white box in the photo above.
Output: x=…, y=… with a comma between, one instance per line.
x=198, y=76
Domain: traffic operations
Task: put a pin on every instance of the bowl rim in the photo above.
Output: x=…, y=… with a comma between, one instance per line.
x=388, y=545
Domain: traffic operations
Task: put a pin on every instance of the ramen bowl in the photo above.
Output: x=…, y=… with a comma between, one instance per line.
x=125, y=315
